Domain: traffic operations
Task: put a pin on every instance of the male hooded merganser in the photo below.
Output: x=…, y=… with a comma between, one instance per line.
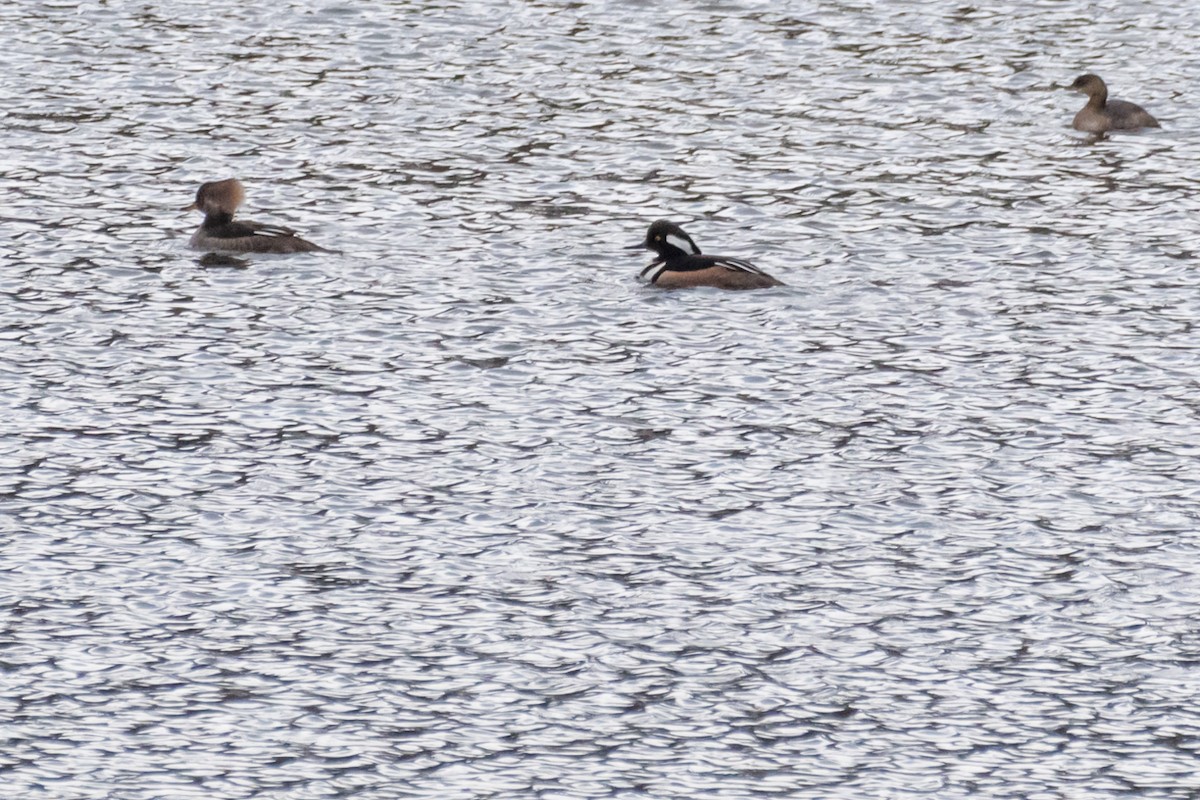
x=681, y=264
x=219, y=200
x=1101, y=114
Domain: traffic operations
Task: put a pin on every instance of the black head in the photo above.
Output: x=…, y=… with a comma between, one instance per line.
x=668, y=240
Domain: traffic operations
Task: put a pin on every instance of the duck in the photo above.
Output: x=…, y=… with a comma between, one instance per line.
x=219, y=201
x=1101, y=114
x=680, y=263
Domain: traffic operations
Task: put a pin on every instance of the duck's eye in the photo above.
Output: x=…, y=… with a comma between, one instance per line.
x=658, y=238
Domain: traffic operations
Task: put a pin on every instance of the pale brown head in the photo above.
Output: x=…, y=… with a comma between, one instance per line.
x=219, y=197
x=1090, y=85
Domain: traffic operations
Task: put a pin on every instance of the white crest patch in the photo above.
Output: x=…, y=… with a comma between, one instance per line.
x=680, y=242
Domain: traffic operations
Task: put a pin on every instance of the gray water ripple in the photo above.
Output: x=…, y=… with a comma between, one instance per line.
x=465, y=511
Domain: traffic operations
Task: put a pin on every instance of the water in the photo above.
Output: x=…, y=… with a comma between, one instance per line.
x=465, y=512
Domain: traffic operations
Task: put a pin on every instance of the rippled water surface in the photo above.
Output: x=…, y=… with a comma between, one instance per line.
x=464, y=511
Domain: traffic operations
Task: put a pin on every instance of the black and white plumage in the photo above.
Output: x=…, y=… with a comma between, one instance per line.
x=680, y=263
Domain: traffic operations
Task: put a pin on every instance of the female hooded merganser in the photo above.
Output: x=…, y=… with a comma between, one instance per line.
x=219, y=200
x=681, y=264
x=1101, y=114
